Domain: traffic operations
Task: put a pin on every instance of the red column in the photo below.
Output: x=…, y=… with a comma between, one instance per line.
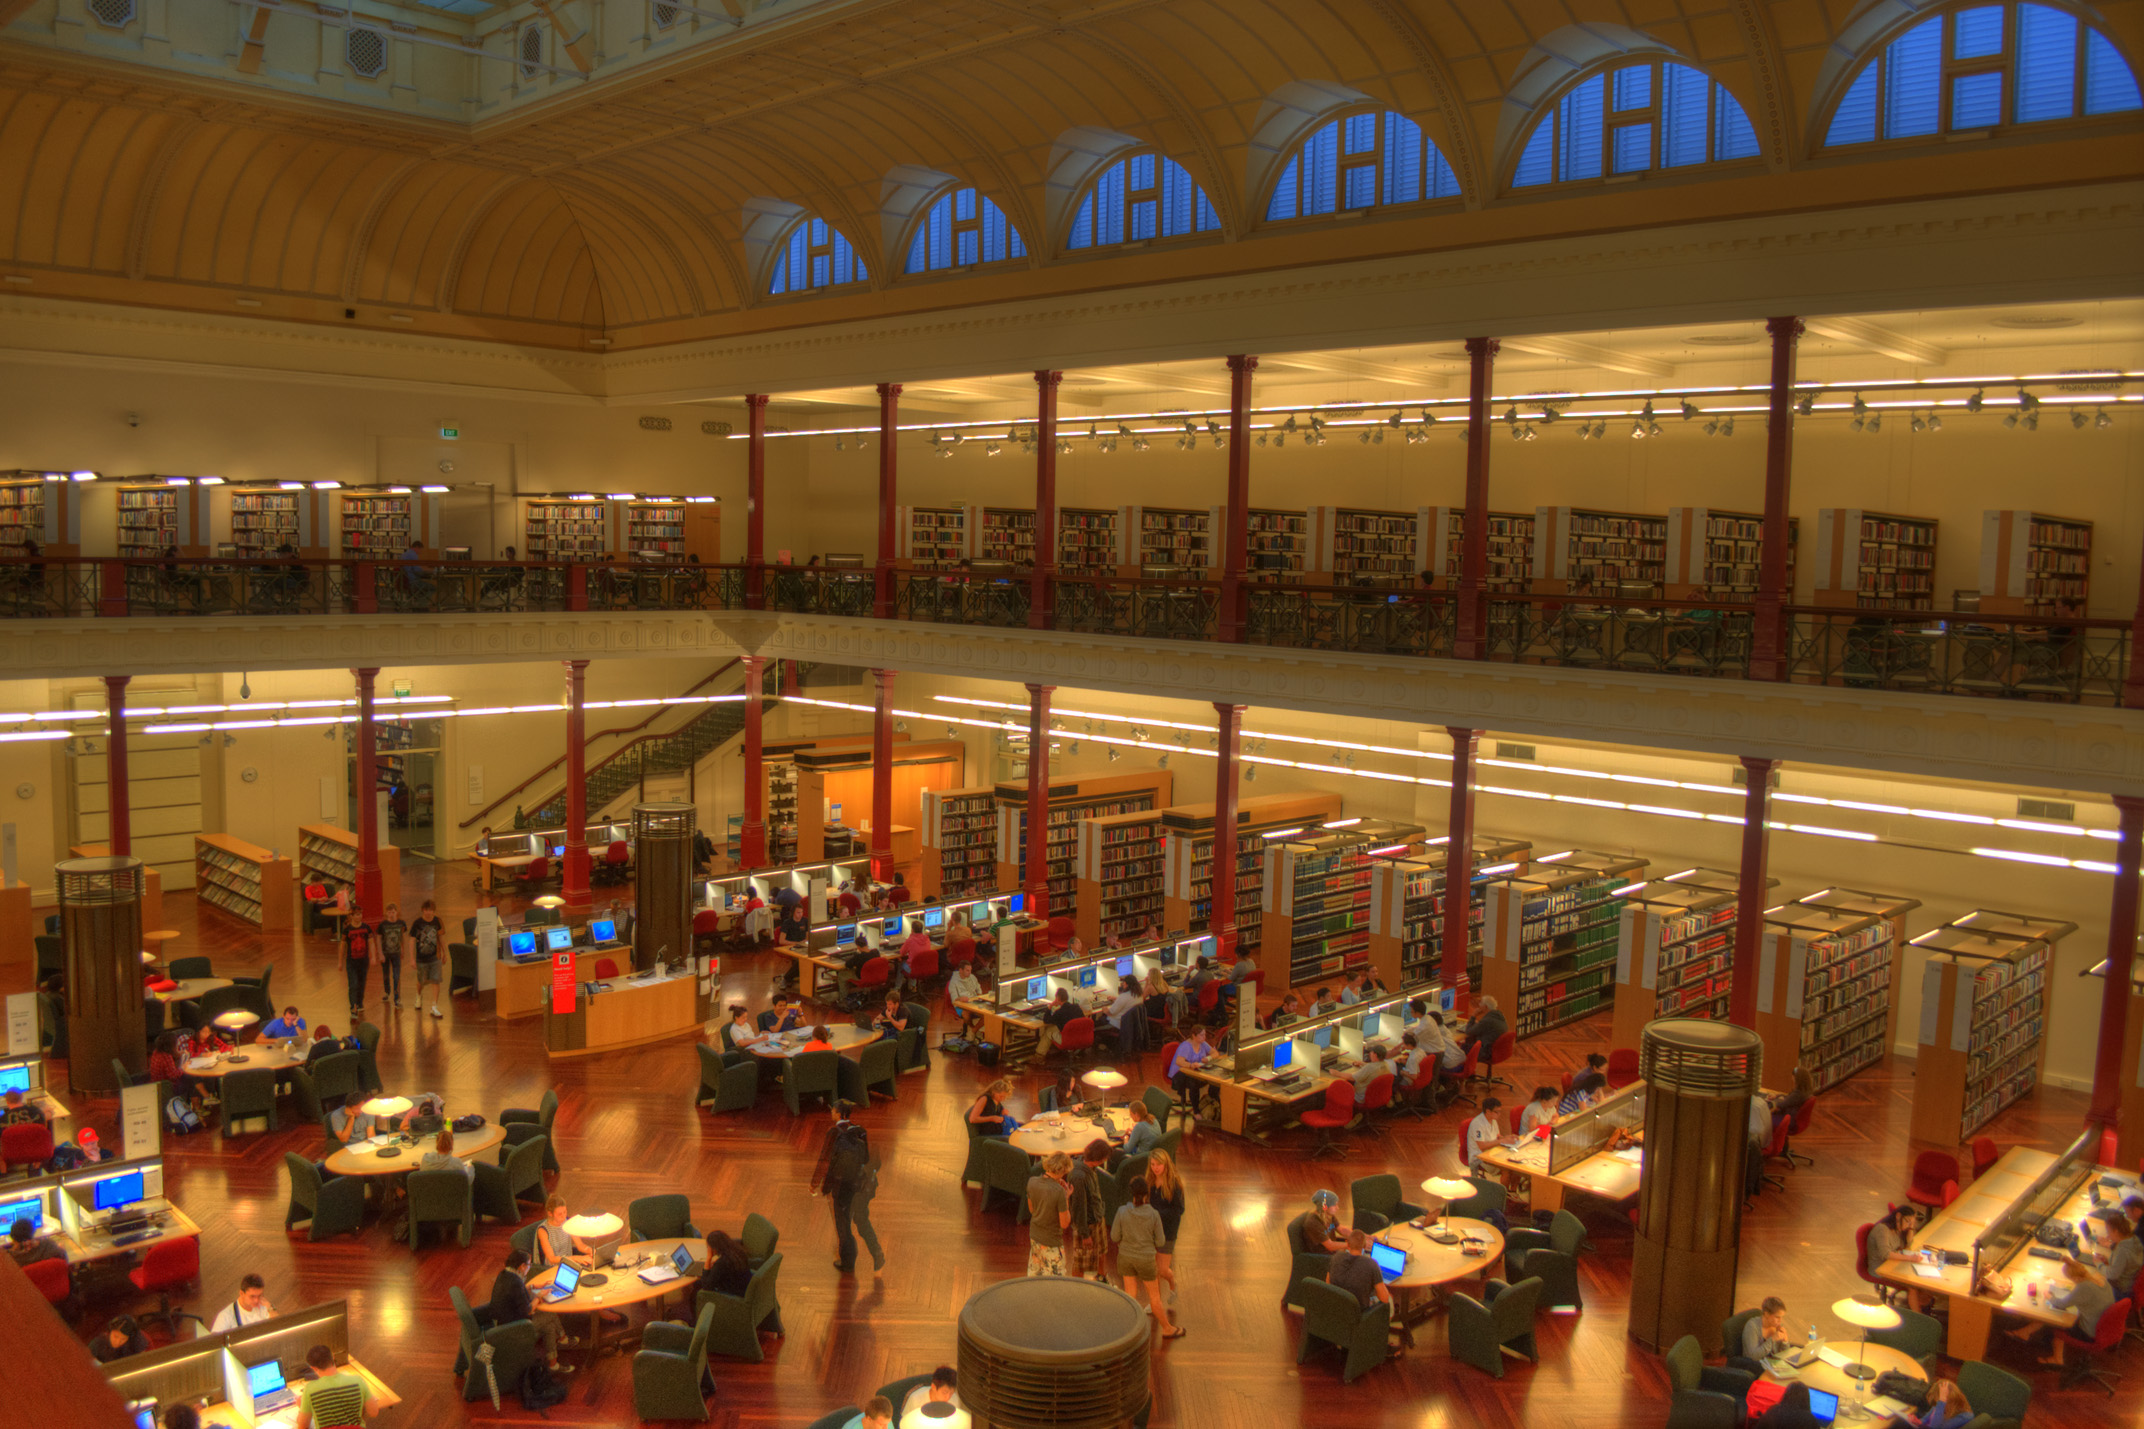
x=1768, y=642
x=889, y=439
x=752, y=845
x=573, y=880
x=1230, y=725
x=882, y=778
x=755, y=501
x=1750, y=888
x=2107, y=1064
x=1459, y=859
x=1038, y=800
x=368, y=804
x=117, y=792
x=1236, y=540
x=1041, y=605
x=1470, y=633
x=2133, y=687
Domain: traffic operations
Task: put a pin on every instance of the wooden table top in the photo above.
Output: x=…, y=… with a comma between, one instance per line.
x=271, y=1056
x=227, y=1416
x=1833, y=1380
x=93, y=1247
x=624, y=1287
x=158, y=935
x=847, y=1037
x=468, y=1145
x=988, y=1008
x=1265, y=1091
x=192, y=988
x=1429, y=1263
x=1063, y=1131
x=1608, y=1174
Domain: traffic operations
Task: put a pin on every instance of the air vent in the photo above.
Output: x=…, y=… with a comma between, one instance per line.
x=715, y=429
x=665, y=15
x=531, y=52
x=116, y=13
x=365, y=51
x=1514, y=751
x=655, y=424
x=2046, y=809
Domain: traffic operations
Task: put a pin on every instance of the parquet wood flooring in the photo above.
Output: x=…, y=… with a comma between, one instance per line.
x=627, y=1127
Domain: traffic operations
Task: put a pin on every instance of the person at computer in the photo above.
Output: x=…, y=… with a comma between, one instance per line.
x=19, y=1110
x=290, y=1024
x=1323, y=1002
x=728, y=1270
x=333, y=1397
x=120, y=1337
x=1484, y=1132
x=442, y=1158
x=1290, y=1010
x=847, y=901
x=1189, y=1053
x=511, y=1301
x=1062, y=1014
x=82, y=1149
x=2112, y=1243
x=1123, y=1004
x=28, y=1247
x=944, y=1388
x=915, y=944
x=1409, y=1064
x=965, y=986
x=554, y=1243
x=860, y=952
x=1144, y=1135
x=1488, y=1025
x=1764, y=1334
x=1793, y=1411
x=1246, y=969
x=1539, y=1112
x=899, y=891
x=1354, y=1271
x=250, y=1308
x=326, y=1044
x=1373, y=1066
x=791, y=927
x=2086, y=1292
x=1354, y=990
x=959, y=940
x=877, y=1413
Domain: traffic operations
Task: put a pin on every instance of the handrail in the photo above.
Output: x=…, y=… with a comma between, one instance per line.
x=653, y=715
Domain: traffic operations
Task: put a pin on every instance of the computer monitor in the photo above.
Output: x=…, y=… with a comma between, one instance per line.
x=1283, y=1053
x=31, y=1210
x=603, y=930
x=891, y=928
x=1124, y=966
x=1447, y=1000
x=844, y=932
x=1823, y=1406
x=557, y=938
x=933, y=919
x=116, y=1193
x=264, y=1379
x=1391, y=1260
x=1323, y=1037
x=558, y=850
x=1087, y=977
x=1037, y=988
x=15, y=1078
x=567, y=1278
x=521, y=945
x=1017, y=903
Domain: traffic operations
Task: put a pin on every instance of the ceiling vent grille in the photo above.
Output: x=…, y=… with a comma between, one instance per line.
x=665, y=15
x=116, y=13
x=531, y=52
x=365, y=51
x=1514, y=751
x=2046, y=809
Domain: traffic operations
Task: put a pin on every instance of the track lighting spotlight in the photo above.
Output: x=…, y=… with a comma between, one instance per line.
x=1972, y=403
x=990, y=449
x=1511, y=416
x=2101, y=420
x=1689, y=409
x=1072, y=748
x=1527, y=432
x=1935, y=421
x=1363, y=436
x=1919, y=425
x=2078, y=418
x=1727, y=428
x=1250, y=775
x=1875, y=423
x=2010, y=419
x=1429, y=418
x=2032, y=420
x=838, y=446
x=1377, y=436
x=1861, y=413
x=2026, y=402
x=1163, y=762
x=1115, y=754
x=1807, y=404
x=862, y=442
x=1140, y=444
x=1394, y=420
x=1712, y=428
x=936, y=441
x=1289, y=425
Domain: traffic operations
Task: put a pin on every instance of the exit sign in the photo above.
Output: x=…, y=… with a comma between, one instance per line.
x=449, y=434
x=403, y=688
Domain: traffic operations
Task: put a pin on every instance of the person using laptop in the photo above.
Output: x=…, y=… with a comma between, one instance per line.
x=332, y=1397
x=1355, y=1272
x=442, y=1158
x=728, y=1270
x=1794, y=1411
x=556, y=1244
x=511, y=1301
x=1317, y=1230
x=1483, y=1132
x=1766, y=1335
x=250, y=1308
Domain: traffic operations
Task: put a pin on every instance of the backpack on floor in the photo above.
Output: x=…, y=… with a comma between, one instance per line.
x=180, y=1116
x=955, y=1046
x=540, y=1389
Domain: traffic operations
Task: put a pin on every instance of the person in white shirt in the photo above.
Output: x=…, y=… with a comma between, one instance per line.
x=250, y=1308
x=965, y=986
x=1352, y=991
x=1760, y=1121
x=1127, y=998
x=1482, y=1133
x=1439, y=1043
x=1541, y=1111
x=1412, y=1059
x=944, y=1388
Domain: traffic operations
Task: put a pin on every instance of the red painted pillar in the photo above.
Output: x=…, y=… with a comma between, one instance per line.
x=1750, y=890
x=1470, y=631
x=1041, y=604
x=1236, y=540
x=752, y=844
x=118, y=793
x=2107, y=1064
x=1222, y=923
x=2133, y=687
x=368, y=804
x=1038, y=800
x=889, y=441
x=882, y=778
x=1768, y=643
x=755, y=501
x=573, y=879
x=1459, y=859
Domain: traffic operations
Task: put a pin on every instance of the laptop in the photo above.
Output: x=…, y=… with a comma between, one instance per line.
x=1823, y=1406
x=564, y=1283
x=1391, y=1260
x=265, y=1383
x=676, y=1267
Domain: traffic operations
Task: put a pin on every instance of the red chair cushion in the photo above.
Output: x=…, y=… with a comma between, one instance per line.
x=1622, y=1066
x=1861, y=1252
x=1930, y=1170
x=26, y=1142
x=875, y=972
x=606, y=968
x=617, y=852
x=51, y=1279
x=2113, y=1324
x=1339, y=1108
x=924, y=964
x=169, y=1263
x=1504, y=1047
x=706, y=921
x=1079, y=1032
x=1379, y=1096
x=1168, y=1055
x=1985, y=1154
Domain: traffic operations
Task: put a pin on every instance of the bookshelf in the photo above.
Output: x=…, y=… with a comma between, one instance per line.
x=2034, y=564
x=1510, y=547
x=1119, y=872
x=1356, y=546
x=1314, y=899
x=781, y=811
x=160, y=520
x=244, y=880
x=1549, y=937
x=327, y=853
x=1984, y=1000
x=35, y=509
x=262, y=521
x=1088, y=541
x=381, y=526
x=841, y=779
x=1187, y=847
x=1719, y=555
x=1874, y=559
x=673, y=529
x=933, y=537
x=959, y=842
x=1007, y=534
x=564, y=530
x=1674, y=952
x=1827, y=982
x=1584, y=552
x=1407, y=908
x=1175, y=536
x=1070, y=801
x=1277, y=546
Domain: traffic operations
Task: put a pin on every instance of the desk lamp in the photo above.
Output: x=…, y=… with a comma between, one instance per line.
x=237, y=1020
x=549, y=900
x=1866, y=1315
x=383, y=1106
x=1104, y=1080
x=592, y=1228
x=1447, y=1189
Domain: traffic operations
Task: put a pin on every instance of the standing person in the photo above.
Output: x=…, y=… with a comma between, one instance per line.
x=1084, y=1237
x=1165, y=1190
x=1049, y=1211
x=511, y=1301
x=389, y=935
x=250, y=1308
x=846, y=1174
x=357, y=960
x=427, y=935
x=1138, y=1234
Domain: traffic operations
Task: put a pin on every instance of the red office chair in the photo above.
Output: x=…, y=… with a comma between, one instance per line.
x=1985, y=1154
x=168, y=1264
x=1209, y=1000
x=51, y=1279
x=706, y=927
x=1567, y=1082
x=960, y=954
x=534, y=873
x=1796, y=1125
x=1930, y=1170
x=1060, y=934
x=1337, y=1114
x=1376, y=1099
x=923, y=965
x=615, y=859
x=1622, y=1066
x=1501, y=1052
x=2113, y=1322
x=1774, y=1148
x=1950, y=1192
x=26, y=1144
x=1461, y=1075
x=875, y=974
x=605, y=969
x=1077, y=1037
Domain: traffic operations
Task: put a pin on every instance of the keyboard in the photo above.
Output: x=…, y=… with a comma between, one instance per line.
x=146, y=1233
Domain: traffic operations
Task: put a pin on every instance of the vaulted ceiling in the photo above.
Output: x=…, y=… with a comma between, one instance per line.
x=614, y=211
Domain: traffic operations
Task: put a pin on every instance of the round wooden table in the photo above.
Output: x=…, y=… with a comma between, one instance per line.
x=468, y=1145
x=621, y=1287
x=1070, y=1133
x=258, y=1056
x=193, y=988
x=846, y=1037
x=1430, y=1265
x=1832, y=1380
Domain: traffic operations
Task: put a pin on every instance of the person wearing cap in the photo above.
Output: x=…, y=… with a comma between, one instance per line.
x=1317, y=1230
x=86, y=1149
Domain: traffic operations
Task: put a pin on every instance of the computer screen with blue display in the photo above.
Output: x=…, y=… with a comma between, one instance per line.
x=31, y=1210
x=1447, y=1000
x=558, y=850
x=1036, y=988
x=1323, y=1037
x=603, y=930
x=934, y=918
x=116, y=1193
x=521, y=945
x=1018, y=903
x=891, y=928
x=1124, y=966
x=15, y=1078
x=1283, y=1053
x=264, y=1378
x=557, y=939
x=1086, y=977
x=844, y=932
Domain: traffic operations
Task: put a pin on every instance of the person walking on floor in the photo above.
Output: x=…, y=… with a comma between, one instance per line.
x=845, y=1173
x=1049, y=1215
x=388, y=935
x=428, y=935
x=1138, y=1234
x=1165, y=1193
x=357, y=960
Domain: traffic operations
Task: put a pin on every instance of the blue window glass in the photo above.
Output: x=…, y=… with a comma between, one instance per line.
x=960, y=229
x=1142, y=197
x=1362, y=161
x=1633, y=148
x=1403, y=159
x=1633, y=87
x=1578, y=136
x=1854, y=121
x=2109, y=87
x=1912, y=87
x=1145, y=220
x=1361, y=133
x=1443, y=181
x=1977, y=33
x=1321, y=171
x=1537, y=160
x=1361, y=186
x=815, y=255
x=1732, y=135
x=1683, y=95
x=1179, y=200
x=1283, y=204
x=2046, y=64
x=1976, y=100
x=1109, y=206
x=1082, y=235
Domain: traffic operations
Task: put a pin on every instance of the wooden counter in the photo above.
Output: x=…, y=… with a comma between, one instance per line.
x=524, y=987
x=631, y=1014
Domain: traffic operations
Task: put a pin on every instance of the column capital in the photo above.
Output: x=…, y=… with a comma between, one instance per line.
x=367, y=673
x=1483, y=347
x=116, y=682
x=1033, y=689
x=1047, y=377
x=1790, y=328
x=1758, y=764
x=884, y=677
x=1242, y=362
x=755, y=401
x=889, y=389
x=574, y=664
x=1227, y=710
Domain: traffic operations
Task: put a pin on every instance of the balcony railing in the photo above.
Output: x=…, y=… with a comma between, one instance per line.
x=2071, y=661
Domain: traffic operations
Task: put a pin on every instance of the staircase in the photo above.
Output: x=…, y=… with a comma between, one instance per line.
x=670, y=752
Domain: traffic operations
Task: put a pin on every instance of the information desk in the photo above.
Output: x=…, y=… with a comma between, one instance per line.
x=1276, y=1073
x=210, y=1371
x=523, y=985
x=626, y=1012
x=1992, y=1225
x=1573, y=1156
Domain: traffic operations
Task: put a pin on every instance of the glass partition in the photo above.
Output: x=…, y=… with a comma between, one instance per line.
x=1586, y=1133
x=2016, y=1225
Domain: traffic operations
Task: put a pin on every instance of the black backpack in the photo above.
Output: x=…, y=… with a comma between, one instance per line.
x=540, y=1389
x=851, y=1159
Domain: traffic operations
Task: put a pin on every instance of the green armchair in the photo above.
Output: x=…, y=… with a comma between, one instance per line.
x=1553, y=1255
x=811, y=1074
x=1159, y=1102
x=1304, y=1267
x=1996, y=1393
x=518, y=1177
x=1920, y=1336
x=759, y=1238
x=368, y=1057
x=1731, y=1331
x=1117, y=1186
x=1377, y=1204
x=1703, y=1396
x=521, y=1124
x=441, y=1197
x=1481, y=1330
x=1005, y=1172
x=876, y=1068
x=1488, y=1196
x=738, y=1319
x=670, y=1375
x=513, y=1350
x=186, y=969
x=728, y=1079
x=246, y=1095
x=1333, y=1319
x=307, y=1093
x=659, y=1218
x=332, y=1206
x=915, y=1044
x=335, y=1077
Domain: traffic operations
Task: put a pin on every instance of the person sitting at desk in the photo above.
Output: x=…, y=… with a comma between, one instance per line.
x=1408, y=1063
x=250, y=1308
x=1063, y=1094
x=1483, y=1132
x=122, y=1337
x=848, y=902
x=738, y=1031
x=965, y=986
x=182, y=1416
x=899, y=891
x=1373, y=1066
x=1317, y=1231
x=2087, y=1293
x=916, y=943
x=1893, y=1235
x=1791, y=1102
x=1290, y=1010
x=729, y=1269
x=786, y=898
x=511, y=1301
x=859, y=953
x=483, y=843
x=1062, y=1014
x=442, y=1158
x=20, y=1110
x=1586, y=1088
x=331, y=1397
x=1947, y=1408
x=944, y=1388
x=1487, y=1026
x=2116, y=1248
x=753, y=903
x=28, y=1247
x=164, y=1066
x=1322, y=1002
x=83, y=1150
x=987, y=1115
x=893, y=1019
x=821, y=1040
x=787, y=1014
x=1793, y=1411
x=1353, y=990
x=877, y=1413
x=290, y=1024
x=1541, y=1111
x=1189, y=1053
x=345, y=1123
x=1144, y=1135
x=1352, y=1270
x=793, y=928
x=327, y=1044
x=1246, y=969
x=1763, y=1335
x=554, y=1242
x=1124, y=1003
x=959, y=940
x=622, y=917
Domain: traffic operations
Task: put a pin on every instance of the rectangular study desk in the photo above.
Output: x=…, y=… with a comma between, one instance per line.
x=631, y=1013
x=1019, y=1036
x=209, y=1371
x=85, y=1247
x=1249, y=1107
x=228, y=1416
x=818, y=973
x=1611, y=1175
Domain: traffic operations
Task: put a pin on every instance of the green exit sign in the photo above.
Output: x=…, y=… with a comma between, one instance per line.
x=448, y=434
x=403, y=688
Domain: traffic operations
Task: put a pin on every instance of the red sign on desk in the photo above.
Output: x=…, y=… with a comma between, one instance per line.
x=562, y=983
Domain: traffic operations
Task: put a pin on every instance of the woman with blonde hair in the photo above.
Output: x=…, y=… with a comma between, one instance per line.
x=986, y=1114
x=1165, y=1190
x=1947, y=1407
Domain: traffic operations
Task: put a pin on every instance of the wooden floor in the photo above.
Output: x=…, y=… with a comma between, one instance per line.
x=628, y=1128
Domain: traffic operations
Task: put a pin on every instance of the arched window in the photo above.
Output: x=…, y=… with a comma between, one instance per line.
x=1362, y=161
x=816, y=256
x=1982, y=67
x=960, y=229
x=1139, y=197
x=1634, y=119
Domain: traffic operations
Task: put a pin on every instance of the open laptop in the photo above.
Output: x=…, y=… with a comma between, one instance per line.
x=564, y=1283
x=1391, y=1260
x=265, y=1383
x=676, y=1267
x=1823, y=1405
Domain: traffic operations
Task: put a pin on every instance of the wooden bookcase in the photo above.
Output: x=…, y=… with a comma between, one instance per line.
x=380, y=526
x=1315, y=900
x=326, y=853
x=1983, y=1036
x=1578, y=551
x=1187, y=857
x=1277, y=546
x=1119, y=871
x=842, y=778
x=262, y=520
x=1089, y=540
x=1549, y=937
x=1007, y=533
x=1827, y=983
x=244, y=880
x=1357, y=546
x=1875, y=560
x=960, y=842
x=673, y=529
x=2034, y=564
x=932, y=538
x=160, y=520
x=1719, y=555
x=33, y=508
x=1071, y=801
x=559, y=529
x=1407, y=907
x=1674, y=951
x=1510, y=549
x=1186, y=537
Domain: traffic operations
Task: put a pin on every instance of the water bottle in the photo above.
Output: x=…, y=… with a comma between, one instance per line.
x=1815, y=1340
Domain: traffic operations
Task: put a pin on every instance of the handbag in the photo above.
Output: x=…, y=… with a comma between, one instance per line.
x=2058, y=1235
x=1907, y=1389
